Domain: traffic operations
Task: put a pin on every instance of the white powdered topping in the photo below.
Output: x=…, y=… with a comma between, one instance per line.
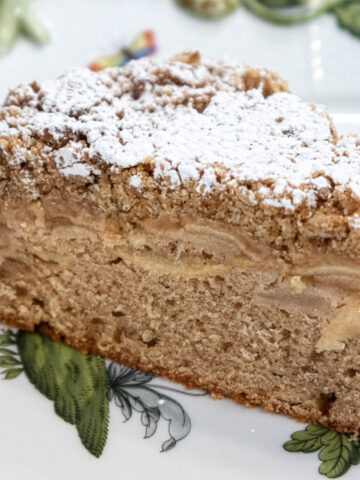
x=135, y=181
x=69, y=162
x=354, y=221
x=192, y=123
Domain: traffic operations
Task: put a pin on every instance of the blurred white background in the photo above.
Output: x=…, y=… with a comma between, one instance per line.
x=320, y=60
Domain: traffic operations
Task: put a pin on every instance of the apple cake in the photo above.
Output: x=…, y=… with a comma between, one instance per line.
x=193, y=219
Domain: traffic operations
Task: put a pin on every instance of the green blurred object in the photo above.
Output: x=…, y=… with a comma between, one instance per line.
x=348, y=15
x=212, y=9
x=282, y=12
x=284, y=3
x=17, y=18
x=292, y=12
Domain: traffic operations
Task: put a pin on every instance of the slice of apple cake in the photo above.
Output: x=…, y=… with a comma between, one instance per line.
x=192, y=219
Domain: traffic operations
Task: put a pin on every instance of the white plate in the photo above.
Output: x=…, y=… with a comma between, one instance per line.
x=226, y=441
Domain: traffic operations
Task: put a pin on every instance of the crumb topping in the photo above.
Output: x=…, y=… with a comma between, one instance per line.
x=215, y=124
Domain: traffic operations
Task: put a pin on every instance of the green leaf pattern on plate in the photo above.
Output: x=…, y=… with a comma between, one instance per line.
x=76, y=383
x=337, y=452
x=308, y=440
x=81, y=387
x=9, y=358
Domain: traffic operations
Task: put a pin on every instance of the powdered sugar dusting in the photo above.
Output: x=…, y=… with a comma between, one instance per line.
x=135, y=181
x=68, y=161
x=354, y=221
x=191, y=123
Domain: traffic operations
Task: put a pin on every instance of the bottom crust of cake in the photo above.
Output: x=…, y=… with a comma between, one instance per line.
x=190, y=382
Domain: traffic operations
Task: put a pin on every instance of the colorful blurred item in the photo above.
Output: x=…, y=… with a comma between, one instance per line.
x=18, y=18
x=210, y=8
x=142, y=46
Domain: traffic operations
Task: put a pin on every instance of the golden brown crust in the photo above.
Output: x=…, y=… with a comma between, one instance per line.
x=190, y=382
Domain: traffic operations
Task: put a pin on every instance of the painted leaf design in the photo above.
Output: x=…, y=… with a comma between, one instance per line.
x=76, y=383
x=92, y=424
x=308, y=440
x=9, y=358
x=11, y=373
x=7, y=338
x=122, y=402
x=348, y=15
x=66, y=406
x=8, y=361
x=32, y=349
x=131, y=390
x=179, y=421
x=149, y=419
x=122, y=375
x=81, y=388
x=355, y=456
x=337, y=454
x=7, y=351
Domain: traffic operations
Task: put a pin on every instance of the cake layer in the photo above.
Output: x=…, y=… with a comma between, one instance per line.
x=194, y=300
x=192, y=220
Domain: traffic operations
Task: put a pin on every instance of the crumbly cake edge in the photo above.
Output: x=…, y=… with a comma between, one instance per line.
x=90, y=347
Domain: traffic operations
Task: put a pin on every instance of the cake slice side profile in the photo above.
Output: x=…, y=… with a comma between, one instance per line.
x=193, y=219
